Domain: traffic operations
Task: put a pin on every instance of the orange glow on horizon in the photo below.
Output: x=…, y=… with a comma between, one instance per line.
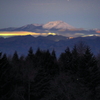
x=51, y=33
x=71, y=37
x=21, y=33
x=97, y=31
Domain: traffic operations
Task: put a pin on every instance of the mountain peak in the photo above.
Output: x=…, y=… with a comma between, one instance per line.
x=57, y=25
x=31, y=25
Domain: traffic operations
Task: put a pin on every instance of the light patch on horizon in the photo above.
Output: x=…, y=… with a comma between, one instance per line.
x=15, y=33
x=97, y=31
x=91, y=35
x=23, y=33
x=74, y=35
x=79, y=34
x=20, y=33
x=52, y=33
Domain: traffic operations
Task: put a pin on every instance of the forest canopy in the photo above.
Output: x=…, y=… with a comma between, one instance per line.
x=75, y=75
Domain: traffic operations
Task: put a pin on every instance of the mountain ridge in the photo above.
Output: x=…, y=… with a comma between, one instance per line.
x=56, y=27
x=21, y=44
x=49, y=25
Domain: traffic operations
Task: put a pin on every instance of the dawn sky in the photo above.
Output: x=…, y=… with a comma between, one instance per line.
x=78, y=13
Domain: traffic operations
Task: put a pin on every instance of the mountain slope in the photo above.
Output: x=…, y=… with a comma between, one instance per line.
x=33, y=27
x=21, y=44
x=57, y=25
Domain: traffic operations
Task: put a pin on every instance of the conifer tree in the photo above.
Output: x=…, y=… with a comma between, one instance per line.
x=15, y=58
x=48, y=63
x=38, y=52
x=65, y=60
x=29, y=67
x=75, y=60
x=30, y=55
x=53, y=55
x=89, y=75
x=0, y=54
x=38, y=58
x=30, y=59
x=40, y=86
x=6, y=87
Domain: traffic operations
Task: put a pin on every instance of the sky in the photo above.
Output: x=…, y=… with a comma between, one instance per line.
x=78, y=13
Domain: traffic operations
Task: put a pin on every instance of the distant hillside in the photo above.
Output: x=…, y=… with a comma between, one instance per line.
x=21, y=44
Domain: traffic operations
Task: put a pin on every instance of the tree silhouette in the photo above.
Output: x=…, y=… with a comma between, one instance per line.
x=88, y=74
x=15, y=57
x=75, y=75
x=65, y=60
x=6, y=87
x=53, y=55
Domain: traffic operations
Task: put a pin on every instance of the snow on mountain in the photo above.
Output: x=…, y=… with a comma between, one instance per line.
x=49, y=25
x=57, y=25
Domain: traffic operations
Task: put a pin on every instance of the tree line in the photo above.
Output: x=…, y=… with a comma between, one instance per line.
x=75, y=75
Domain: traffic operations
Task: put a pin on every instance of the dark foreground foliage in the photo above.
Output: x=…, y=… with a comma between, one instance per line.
x=75, y=75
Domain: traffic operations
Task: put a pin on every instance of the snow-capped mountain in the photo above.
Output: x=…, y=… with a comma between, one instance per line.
x=50, y=25
x=57, y=25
